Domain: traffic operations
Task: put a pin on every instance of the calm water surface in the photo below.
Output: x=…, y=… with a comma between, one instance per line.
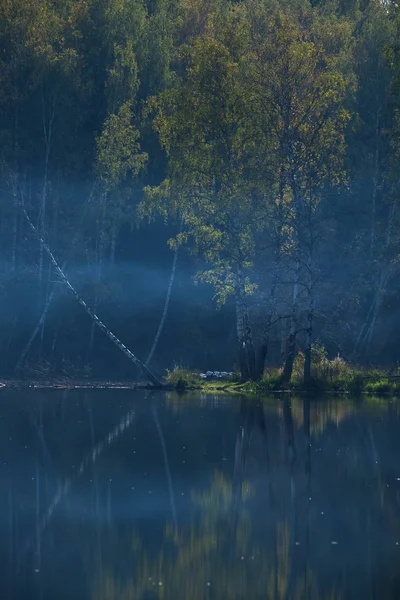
x=128, y=495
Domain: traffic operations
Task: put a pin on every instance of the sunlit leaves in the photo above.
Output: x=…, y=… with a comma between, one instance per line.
x=118, y=148
x=203, y=126
x=296, y=70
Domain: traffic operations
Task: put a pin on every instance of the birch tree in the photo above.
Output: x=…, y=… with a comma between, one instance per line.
x=203, y=127
x=300, y=78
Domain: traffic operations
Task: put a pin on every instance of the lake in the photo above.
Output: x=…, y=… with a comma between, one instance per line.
x=120, y=494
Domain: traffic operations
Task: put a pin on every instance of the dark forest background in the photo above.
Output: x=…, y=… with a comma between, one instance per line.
x=260, y=138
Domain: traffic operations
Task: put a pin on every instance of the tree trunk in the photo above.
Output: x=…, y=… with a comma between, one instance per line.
x=38, y=327
x=89, y=311
x=166, y=466
x=47, y=132
x=261, y=358
x=284, y=336
x=15, y=235
x=87, y=462
x=290, y=352
x=309, y=326
x=263, y=350
x=291, y=340
x=377, y=304
x=240, y=459
x=49, y=297
x=376, y=171
x=113, y=243
x=166, y=305
x=307, y=464
x=307, y=351
x=364, y=338
x=244, y=335
x=55, y=337
x=100, y=256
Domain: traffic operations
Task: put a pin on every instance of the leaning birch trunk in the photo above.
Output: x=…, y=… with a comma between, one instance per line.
x=152, y=378
x=88, y=461
x=49, y=299
x=166, y=305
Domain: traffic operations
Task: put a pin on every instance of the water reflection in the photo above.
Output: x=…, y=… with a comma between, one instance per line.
x=121, y=495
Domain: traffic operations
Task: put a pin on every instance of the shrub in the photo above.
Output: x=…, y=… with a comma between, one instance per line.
x=356, y=384
x=379, y=387
x=182, y=378
x=339, y=376
x=272, y=379
x=298, y=369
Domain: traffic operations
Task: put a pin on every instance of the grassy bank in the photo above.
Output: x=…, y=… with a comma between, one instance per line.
x=356, y=381
x=333, y=376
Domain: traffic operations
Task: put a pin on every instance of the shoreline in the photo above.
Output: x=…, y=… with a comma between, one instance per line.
x=209, y=388
x=80, y=385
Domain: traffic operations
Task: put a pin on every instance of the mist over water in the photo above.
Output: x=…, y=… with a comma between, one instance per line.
x=129, y=296
x=114, y=494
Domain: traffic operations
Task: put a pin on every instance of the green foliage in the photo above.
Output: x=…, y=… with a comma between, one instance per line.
x=257, y=126
x=204, y=128
x=181, y=378
x=328, y=376
x=339, y=376
x=118, y=149
x=271, y=381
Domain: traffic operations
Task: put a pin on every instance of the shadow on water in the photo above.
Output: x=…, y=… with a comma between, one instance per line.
x=129, y=495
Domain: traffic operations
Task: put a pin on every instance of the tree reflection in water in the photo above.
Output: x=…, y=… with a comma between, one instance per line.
x=239, y=546
x=283, y=499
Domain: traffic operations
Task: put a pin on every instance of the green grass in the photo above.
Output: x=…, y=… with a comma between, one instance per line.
x=352, y=380
x=183, y=379
x=334, y=376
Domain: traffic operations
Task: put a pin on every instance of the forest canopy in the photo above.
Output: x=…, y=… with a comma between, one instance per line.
x=241, y=156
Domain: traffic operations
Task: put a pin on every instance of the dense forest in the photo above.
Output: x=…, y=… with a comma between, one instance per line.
x=218, y=180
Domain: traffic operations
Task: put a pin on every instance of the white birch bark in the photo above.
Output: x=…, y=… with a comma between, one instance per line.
x=166, y=306
x=89, y=460
x=39, y=327
x=166, y=465
x=365, y=335
x=89, y=311
x=99, y=266
x=47, y=132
